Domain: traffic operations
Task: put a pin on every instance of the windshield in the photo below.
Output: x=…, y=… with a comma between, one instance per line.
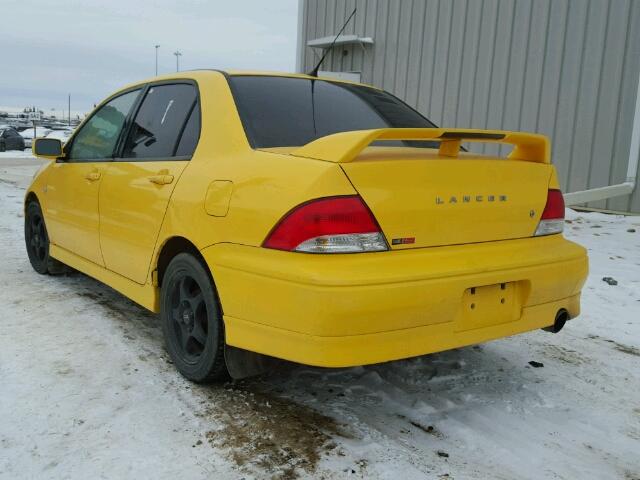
x=287, y=112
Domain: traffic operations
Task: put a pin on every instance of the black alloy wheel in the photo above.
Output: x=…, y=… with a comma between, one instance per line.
x=191, y=320
x=37, y=241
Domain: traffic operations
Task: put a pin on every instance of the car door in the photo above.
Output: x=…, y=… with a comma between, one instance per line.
x=137, y=186
x=74, y=182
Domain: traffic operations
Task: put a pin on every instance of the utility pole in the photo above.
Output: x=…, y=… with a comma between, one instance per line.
x=157, y=47
x=178, y=55
x=69, y=107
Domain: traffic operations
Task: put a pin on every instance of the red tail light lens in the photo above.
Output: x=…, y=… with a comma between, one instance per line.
x=555, y=205
x=328, y=225
x=552, y=219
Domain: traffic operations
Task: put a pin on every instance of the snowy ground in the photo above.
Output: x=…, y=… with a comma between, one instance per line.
x=87, y=390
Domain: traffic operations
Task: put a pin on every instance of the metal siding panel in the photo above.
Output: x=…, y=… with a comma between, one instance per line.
x=330, y=29
x=416, y=41
x=305, y=35
x=339, y=18
x=469, y=65
x=588, y=87
x=370, y=29
x=356, y=53
x=568, y=95
x=454, y=62
x=445, y=17
x=403, y=48
x=501, y=53
x=516, y=75
x=552, y=70
x=302, y=33
x=610, y=80
x=427, y=60
x=484, y=64
x=627, y=101
x=391, y=46
x=534, y=69
x=381, y=43
x=347, y=64
x=319, y=30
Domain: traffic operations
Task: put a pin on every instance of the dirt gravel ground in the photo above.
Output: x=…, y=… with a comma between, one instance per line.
x=88, y=391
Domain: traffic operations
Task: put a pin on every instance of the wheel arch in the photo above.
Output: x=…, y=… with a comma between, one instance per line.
x=172, y=247
x=31, y=197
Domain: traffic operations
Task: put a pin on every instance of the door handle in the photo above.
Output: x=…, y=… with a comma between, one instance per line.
x=92, y=176
x=161, y=179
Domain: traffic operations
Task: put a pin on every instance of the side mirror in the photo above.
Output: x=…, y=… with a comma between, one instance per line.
x=49, y=148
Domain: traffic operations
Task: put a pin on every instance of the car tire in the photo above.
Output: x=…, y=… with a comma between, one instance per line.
x=192, y=320
x=37, y=242
x=2, y=147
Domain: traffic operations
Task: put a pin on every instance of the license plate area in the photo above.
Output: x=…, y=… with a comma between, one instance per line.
x=488, y=305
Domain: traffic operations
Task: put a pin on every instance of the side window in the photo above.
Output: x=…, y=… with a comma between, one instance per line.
x=157, y=127
x=190, y=134
x=98, y=137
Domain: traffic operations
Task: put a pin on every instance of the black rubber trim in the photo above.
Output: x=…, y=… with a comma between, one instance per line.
x=471, y=135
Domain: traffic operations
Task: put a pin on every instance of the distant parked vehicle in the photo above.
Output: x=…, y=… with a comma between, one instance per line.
x=10, y=139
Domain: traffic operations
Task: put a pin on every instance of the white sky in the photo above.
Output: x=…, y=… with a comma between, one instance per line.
x=89, y=48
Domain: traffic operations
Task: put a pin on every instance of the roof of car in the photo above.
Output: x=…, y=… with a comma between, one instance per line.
x=195, y=74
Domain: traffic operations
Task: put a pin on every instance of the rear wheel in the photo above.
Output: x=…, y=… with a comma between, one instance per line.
x=37, y=241
x=192, y=321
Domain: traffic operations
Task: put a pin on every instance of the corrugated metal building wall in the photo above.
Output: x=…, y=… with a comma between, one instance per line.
x=565, y=68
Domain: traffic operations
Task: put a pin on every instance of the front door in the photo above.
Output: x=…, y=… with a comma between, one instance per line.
x=137, y=187
x=74, y=182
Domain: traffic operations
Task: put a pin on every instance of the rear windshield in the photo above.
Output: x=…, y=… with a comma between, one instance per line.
x=287, y=112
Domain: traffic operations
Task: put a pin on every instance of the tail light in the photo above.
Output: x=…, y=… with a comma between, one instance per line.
x=328, y=225
x=552, y=220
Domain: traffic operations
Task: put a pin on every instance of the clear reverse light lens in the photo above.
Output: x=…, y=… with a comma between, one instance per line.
x=552, y=219
x=550, y=227
x=344, y=243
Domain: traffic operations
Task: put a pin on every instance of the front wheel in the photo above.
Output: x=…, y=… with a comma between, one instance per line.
x=192, y=321
x=37, y=241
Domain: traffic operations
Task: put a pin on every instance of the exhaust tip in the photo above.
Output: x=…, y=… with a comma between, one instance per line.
x=562, y=316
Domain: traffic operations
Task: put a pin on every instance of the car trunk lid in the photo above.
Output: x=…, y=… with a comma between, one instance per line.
x=424, y=197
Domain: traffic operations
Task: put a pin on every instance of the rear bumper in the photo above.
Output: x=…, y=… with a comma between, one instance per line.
x=344, y=310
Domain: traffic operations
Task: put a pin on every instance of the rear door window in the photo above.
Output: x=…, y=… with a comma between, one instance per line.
x=160, y=121
x=190, y=134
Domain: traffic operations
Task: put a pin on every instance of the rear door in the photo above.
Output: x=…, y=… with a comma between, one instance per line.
x=137, y=186
x=74, y=182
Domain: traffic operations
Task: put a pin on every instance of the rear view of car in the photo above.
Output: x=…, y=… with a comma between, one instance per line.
x=446, y=247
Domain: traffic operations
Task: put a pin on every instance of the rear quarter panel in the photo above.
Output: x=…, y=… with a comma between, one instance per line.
x=264, y=185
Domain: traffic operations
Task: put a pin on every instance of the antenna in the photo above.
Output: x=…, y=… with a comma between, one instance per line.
x=314, y=72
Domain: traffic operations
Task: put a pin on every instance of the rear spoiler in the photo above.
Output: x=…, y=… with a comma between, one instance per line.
x=344, y=147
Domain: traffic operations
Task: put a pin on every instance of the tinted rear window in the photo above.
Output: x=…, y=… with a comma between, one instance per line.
x=284, y=111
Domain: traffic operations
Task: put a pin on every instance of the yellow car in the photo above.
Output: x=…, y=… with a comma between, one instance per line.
x=318, y=221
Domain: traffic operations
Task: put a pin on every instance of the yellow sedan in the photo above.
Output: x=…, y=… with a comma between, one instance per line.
x=318, y=221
